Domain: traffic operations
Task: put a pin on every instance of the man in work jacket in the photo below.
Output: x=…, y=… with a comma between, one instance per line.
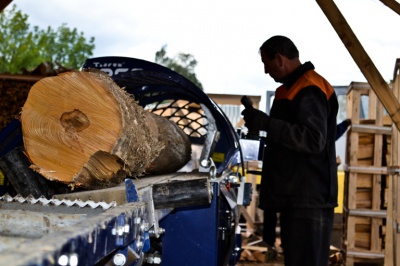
x=299, y=177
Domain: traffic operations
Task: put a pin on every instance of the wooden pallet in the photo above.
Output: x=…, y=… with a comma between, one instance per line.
x=365, y=177
x=392, y=241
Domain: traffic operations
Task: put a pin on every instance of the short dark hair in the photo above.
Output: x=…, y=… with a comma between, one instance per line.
x=279, y=44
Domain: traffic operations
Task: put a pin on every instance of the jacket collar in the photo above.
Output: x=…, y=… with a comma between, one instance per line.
x=298, y=72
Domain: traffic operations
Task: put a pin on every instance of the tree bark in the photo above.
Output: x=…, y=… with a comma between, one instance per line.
x=80, y=128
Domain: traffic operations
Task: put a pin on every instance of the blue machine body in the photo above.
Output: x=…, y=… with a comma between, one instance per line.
x=195, y=235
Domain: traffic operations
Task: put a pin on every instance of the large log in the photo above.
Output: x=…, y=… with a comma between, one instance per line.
x=82, y=129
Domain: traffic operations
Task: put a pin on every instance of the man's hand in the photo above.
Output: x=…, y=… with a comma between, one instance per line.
x=342, y=127
x=255, y=120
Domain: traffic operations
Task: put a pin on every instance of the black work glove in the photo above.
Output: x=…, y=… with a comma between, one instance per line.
x=347, y=122
x=342, y=127
x=255, y=120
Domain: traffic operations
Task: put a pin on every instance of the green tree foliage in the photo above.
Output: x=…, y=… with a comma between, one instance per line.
x=183, y=64
x=22, y=47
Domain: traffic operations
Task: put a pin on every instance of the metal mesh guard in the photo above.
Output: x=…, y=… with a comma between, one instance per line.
x=186, y=114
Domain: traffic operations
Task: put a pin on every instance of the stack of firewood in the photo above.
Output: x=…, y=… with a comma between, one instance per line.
x=14, y=89
x=13, y=94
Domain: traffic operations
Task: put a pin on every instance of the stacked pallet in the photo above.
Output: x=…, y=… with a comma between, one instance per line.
x=365, y=176
x=392, y=241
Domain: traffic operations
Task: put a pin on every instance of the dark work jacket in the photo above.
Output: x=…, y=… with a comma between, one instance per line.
x=299, y=167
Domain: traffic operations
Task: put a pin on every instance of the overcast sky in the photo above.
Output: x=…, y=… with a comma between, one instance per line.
x=224, y=35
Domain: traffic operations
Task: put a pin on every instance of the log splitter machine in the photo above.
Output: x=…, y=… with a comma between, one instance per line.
x=186, y=218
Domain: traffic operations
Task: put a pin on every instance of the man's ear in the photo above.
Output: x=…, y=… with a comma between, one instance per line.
x=280, y=59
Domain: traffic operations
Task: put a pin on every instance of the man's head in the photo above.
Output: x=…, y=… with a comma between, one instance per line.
x=280, y=57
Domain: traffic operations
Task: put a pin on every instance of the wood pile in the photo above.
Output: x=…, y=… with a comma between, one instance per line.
x=256, y=250
x=13, y=94
x=14, y=89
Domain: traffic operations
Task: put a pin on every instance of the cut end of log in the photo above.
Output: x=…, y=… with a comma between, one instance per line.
x=68, y=118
